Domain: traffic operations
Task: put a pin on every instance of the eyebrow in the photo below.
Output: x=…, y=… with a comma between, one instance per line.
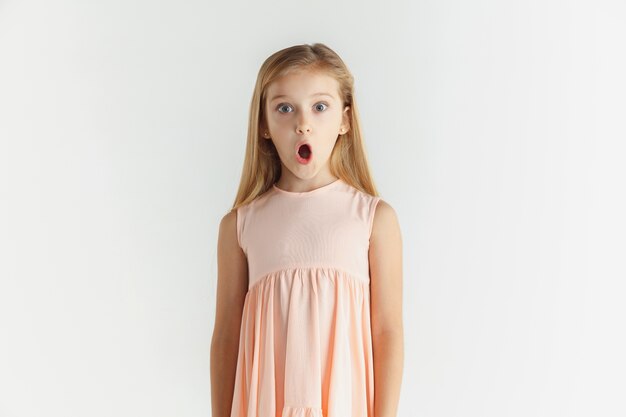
x=312, y=95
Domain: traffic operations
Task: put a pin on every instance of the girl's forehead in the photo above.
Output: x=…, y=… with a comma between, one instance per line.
x=303, y=82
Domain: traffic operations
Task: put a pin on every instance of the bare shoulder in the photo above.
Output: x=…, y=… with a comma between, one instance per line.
x=228, y=225
x=228, y=241
x=385, y=224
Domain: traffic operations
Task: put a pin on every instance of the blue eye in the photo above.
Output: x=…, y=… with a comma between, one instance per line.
x=281, y=106
x=323, y=104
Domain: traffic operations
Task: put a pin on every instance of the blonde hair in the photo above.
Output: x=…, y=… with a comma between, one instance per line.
x=261, y=166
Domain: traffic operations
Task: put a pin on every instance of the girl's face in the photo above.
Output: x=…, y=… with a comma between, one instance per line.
x=304, y=108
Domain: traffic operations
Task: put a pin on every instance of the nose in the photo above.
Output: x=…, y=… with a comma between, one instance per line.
x=303, y=126
x=302, y=129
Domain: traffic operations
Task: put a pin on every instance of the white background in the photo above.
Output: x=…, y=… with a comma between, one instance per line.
x=494, y=128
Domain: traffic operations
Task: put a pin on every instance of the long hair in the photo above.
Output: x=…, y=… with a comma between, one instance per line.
x=261, y=166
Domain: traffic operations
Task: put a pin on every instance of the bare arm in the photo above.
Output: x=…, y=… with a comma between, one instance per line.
x=385, y=256
x=232, y=286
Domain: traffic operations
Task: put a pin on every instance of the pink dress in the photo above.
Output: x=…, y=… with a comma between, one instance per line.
x=305, y=347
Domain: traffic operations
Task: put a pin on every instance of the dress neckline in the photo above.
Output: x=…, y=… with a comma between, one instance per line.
x=310, y=192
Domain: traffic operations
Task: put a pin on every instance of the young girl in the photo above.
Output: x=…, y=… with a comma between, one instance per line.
x=306, y=247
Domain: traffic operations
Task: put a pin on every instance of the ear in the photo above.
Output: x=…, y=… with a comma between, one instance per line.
x=345, y=121
x=264, y=131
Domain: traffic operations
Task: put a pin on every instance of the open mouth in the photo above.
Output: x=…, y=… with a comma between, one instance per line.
x=304, y=153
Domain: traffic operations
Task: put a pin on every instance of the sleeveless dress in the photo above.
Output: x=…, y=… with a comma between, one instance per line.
x=305, y=347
